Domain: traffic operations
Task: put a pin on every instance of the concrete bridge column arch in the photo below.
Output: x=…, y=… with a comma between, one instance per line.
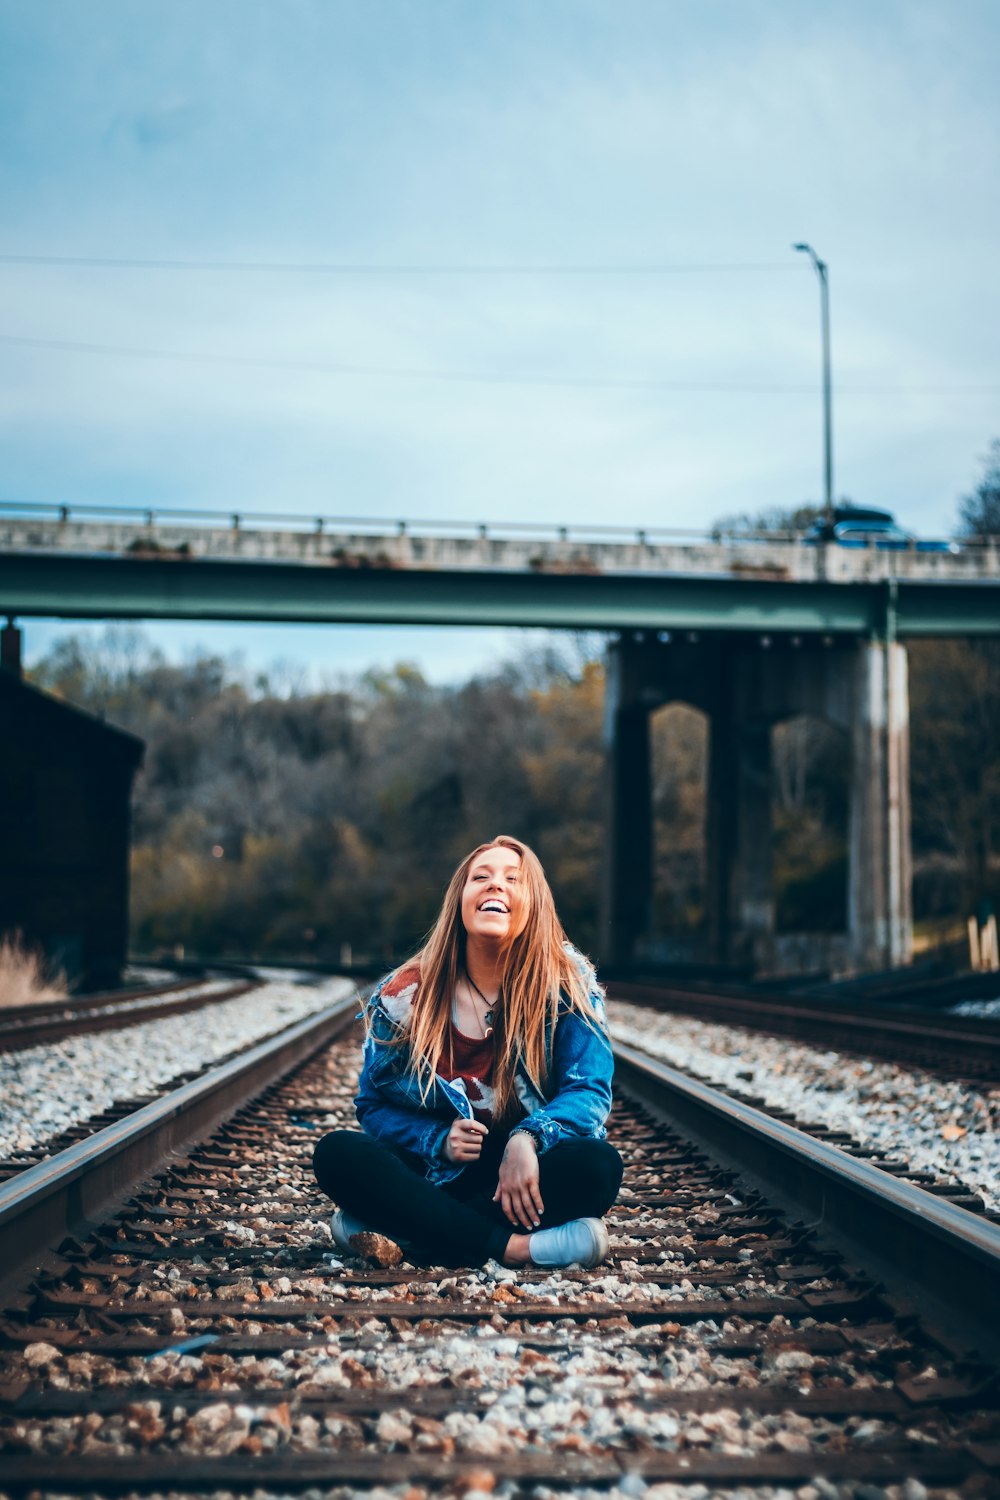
x=746, y=684
x=680, y=735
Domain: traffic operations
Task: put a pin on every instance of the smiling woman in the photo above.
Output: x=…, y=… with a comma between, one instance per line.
x=485, y=1087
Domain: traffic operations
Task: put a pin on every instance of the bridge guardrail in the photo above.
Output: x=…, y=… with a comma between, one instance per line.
x=152, y=517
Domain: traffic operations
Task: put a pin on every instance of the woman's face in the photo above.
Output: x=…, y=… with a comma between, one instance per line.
x=494, y=901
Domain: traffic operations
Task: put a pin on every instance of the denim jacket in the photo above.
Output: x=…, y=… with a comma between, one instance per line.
x=575, y=1104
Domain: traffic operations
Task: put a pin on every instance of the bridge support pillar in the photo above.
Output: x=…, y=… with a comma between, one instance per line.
x=738, y=837
x=745, y=686
x=628, y=864
x=879, y=907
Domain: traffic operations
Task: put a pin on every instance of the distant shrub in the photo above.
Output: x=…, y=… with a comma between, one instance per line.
x=24, y=974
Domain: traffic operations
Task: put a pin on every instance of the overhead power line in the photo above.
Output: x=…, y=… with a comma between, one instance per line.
x=374, y=268
x=472, y=377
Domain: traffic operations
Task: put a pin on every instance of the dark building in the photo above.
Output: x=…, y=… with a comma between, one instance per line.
x=65, y=790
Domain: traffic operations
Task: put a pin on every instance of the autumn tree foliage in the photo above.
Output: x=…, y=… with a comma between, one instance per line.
x=955, y=708
x=955, y=774
x=271, y=820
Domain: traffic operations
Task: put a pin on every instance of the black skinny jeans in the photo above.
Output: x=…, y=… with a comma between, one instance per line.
x=457, y=1223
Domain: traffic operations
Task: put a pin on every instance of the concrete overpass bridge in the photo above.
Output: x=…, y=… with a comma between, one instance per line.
x=751, y=630
x=85, y=563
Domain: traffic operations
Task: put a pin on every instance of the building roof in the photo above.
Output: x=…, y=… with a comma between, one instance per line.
x=21, y=703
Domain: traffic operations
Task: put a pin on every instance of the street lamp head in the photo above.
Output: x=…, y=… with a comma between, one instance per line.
x=818, y=265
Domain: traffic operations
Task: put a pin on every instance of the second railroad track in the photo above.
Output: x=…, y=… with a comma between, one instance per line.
x=959, y=1047
x=45, y=1021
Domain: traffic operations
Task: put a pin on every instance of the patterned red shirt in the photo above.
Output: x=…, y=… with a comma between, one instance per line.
x=472, y=1059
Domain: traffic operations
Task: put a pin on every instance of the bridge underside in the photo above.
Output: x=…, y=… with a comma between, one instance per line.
x=168, y=586
x=744, y=690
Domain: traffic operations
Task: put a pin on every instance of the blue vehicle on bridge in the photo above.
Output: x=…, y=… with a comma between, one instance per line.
x=864, y=526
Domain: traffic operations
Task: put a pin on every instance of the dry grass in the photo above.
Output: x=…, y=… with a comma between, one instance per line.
x=24, y=974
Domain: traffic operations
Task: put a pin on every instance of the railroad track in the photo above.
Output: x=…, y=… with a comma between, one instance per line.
x=33, y=1025
x=963, y=1048
x=24, y=1157
x=203, y=1336
x=894, y=1161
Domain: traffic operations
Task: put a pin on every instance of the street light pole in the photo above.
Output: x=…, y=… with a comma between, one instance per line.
x=822, y=271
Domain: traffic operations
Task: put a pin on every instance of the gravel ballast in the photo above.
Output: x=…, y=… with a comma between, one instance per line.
x=46, y=1090
x=935, y=1124
x=240, y=1333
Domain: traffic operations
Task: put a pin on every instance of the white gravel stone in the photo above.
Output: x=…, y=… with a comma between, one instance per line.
x=988, y=1010
x=901, y=1111
x=46, y=1090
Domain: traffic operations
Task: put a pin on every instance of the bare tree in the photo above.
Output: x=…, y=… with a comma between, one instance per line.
x=979, y=513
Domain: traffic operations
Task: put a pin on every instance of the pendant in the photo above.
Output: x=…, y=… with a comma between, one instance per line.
x=487, y=1025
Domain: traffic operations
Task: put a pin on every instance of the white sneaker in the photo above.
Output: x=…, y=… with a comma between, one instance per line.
x=342, y=1228
x=581, y=1242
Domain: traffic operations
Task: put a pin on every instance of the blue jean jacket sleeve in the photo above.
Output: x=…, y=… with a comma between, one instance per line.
x=412, y=1129
x=388, y=1104
x=580, y=1079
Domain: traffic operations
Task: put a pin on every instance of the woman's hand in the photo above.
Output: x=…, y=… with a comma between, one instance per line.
x=517, y=1190
x=465, y=1140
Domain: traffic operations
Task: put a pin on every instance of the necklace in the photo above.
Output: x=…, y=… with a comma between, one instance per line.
x=488, y=1017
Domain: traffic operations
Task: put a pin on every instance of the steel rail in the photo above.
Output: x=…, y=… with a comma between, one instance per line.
x=951, y=1043
x=873, y=1016
x=68, y=1022
x=942, y=1258
x=35, y=1010
x=57, y=1197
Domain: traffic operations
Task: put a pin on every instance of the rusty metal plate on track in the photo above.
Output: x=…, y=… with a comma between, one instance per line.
x=567, y=1470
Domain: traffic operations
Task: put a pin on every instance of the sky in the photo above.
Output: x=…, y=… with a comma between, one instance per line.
x=493, y=259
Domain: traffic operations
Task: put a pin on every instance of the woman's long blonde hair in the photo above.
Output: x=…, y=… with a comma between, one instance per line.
x=536, y=968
